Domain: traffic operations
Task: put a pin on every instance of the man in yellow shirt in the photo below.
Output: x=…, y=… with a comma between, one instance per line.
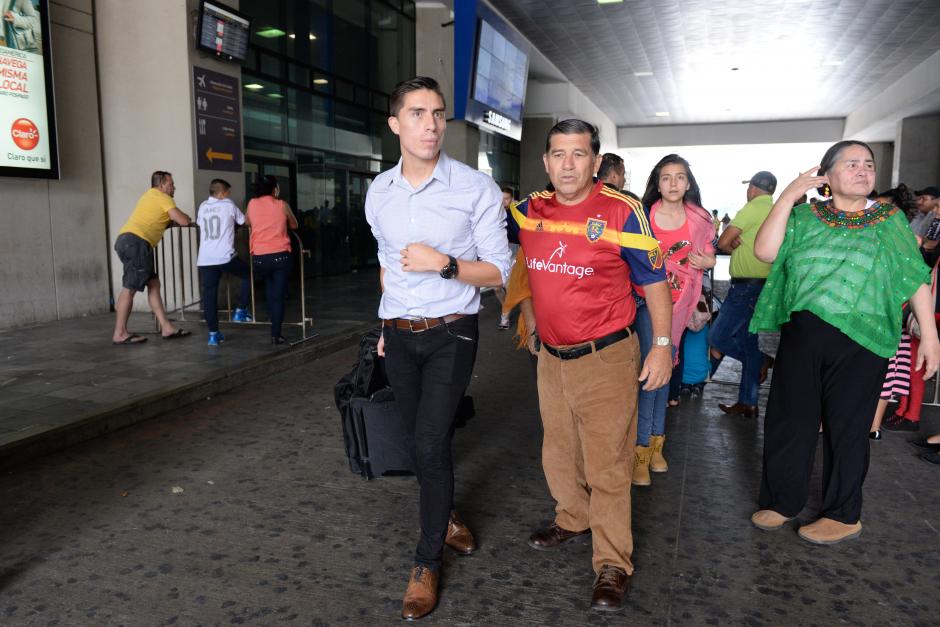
x=134, y=247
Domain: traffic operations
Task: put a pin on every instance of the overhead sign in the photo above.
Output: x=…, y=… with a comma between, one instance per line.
x=27, y=111
x=218, y=121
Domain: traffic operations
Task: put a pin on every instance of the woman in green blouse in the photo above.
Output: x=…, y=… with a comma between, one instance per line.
x=843, y=266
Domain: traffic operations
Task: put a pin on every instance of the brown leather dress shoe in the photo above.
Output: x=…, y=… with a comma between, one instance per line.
x=739, y=409
x=552, y=536
x=610, y=588
x=421, y=595
x=459, y=537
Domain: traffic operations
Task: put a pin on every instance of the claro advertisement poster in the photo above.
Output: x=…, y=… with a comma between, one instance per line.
x=27, y=112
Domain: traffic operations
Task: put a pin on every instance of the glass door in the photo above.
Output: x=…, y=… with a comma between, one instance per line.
x=362, y=246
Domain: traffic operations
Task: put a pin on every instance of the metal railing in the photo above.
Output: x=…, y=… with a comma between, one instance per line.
x=175, y=260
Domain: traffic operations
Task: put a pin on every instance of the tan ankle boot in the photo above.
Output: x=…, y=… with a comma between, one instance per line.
x=641, y=465
x=421, y=595
x=657, y=461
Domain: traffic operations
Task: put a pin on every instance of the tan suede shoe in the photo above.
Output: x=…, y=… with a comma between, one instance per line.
x=459, y=537
x=768, y=520
x=421, y=595
x=828, y=531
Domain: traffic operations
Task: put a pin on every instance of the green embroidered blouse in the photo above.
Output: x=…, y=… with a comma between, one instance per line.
x=854, y=271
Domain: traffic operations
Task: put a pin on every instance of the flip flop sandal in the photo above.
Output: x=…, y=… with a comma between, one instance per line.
x=179, y=333
x=131, y=339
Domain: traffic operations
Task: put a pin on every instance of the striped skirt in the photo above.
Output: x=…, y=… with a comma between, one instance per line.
x=898, y=379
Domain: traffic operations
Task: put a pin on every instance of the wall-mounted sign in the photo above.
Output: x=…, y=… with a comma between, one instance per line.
x=27, y=106
x=499, y=121
x=218, y=121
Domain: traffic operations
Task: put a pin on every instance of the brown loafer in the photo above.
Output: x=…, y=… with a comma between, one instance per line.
x=421, y=595
x=739, y=409
x=552, y=536
x=459, y=537
x=610, y=588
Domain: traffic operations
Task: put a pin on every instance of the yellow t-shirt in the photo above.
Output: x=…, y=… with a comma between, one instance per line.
x=151, y=216
x=744, y=265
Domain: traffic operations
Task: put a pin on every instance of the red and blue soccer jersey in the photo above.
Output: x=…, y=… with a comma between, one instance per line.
x=583, y=260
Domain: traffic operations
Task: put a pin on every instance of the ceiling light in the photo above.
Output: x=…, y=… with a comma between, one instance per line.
x=254, y=86
x=320, y=81
x=275, y=95
x=642, y=73
x=312, y=36
x=609, y=1
x=662, y=114
x=270, y=32
x=292, y=36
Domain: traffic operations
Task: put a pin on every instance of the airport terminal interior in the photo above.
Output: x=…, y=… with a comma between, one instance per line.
x=157, y=476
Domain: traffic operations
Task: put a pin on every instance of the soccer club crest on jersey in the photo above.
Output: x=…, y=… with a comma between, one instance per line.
x=595, y=228
x=656, y=258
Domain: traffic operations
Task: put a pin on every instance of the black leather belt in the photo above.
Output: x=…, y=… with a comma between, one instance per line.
x=421, y=324
x=573, y=352
x=746, y=281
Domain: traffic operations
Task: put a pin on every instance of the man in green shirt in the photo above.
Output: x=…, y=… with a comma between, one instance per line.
x=729, y=334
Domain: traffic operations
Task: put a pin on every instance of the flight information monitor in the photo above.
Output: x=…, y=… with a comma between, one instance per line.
x=223, y=31
x=501, y=71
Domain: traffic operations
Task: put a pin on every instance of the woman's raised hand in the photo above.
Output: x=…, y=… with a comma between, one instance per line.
x=803, y=183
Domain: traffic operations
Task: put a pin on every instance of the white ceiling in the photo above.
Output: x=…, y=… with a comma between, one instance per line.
x=795, y=59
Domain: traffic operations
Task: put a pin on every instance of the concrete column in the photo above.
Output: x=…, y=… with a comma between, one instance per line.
x=532, y=176
x=884, y=164
x=917, y=152
x=147, y=109
x=55, y=254
x=462, y=142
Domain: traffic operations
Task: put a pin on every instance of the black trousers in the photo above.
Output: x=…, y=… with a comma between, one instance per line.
x=820, y=375
x=429, y=372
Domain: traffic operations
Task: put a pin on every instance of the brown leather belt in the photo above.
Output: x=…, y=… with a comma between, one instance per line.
x=421, y=324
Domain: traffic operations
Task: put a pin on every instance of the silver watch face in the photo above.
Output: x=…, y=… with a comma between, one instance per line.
x=662, y=341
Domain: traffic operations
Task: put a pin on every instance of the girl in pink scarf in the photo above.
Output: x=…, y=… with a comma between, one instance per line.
x=685, y=232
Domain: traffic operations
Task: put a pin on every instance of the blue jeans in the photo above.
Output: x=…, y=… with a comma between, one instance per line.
x=274, y=270
x=651, y=406
x=209, y=277
x=730, y=336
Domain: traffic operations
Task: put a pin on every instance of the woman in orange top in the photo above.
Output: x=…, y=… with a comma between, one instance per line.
x=269, y=217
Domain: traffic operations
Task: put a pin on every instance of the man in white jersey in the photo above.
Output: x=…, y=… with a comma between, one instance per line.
x=217, y=218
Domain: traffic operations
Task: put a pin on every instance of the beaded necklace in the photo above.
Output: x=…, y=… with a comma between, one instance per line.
x=877, y=213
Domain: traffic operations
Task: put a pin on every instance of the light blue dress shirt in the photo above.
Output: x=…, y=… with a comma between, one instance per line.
x=457, y=211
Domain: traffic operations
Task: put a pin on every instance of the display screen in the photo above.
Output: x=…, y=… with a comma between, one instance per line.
x=27, y=111
x=223, y=31
x=501, y=70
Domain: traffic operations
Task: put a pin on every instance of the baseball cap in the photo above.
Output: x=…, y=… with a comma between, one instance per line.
x=929, y=191
x=764, y=180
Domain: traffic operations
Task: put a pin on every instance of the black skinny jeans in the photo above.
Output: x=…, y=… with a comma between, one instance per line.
x=274, y=270
x=429, y=372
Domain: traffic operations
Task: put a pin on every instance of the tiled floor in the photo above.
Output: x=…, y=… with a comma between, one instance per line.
x=60, y=372
x=271, y=528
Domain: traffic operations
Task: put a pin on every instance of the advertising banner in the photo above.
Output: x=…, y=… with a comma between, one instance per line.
x=27, y=116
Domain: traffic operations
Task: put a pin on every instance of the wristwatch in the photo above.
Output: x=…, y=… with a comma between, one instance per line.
x=450, y=270
x=662, y=340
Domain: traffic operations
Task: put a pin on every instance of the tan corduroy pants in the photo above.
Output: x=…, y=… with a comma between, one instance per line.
x=588, y=410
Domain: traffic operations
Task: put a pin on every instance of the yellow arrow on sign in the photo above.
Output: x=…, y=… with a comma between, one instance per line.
x=224, y=156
